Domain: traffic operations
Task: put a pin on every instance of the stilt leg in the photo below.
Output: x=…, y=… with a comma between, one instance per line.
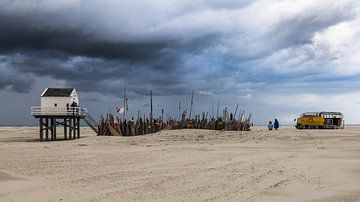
x=54, y=128
x=51, y=129
x=70, y=128
x=74, y=124
x=47, y=128
x=41, y=129
x=78, y=127
x=65, y=129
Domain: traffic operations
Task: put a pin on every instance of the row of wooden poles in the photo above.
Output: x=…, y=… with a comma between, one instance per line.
x=226, y=122
x=113, y=126
x=110, y=125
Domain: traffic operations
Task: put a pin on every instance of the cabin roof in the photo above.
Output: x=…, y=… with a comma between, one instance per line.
x=57, y=92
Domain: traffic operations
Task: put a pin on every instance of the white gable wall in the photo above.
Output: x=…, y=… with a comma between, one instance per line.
x=49, y=102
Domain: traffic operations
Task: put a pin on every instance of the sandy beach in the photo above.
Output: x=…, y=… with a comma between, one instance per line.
x=182, y=165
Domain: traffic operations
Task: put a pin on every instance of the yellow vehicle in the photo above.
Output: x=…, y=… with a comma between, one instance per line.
x=320, y=120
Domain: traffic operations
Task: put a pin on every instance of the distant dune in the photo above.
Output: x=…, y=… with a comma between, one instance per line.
x=182, y=165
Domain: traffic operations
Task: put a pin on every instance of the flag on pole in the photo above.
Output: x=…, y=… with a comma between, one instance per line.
x=120, y=110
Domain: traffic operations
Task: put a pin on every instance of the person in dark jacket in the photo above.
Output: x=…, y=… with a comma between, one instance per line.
x=270, y=125
x=276, y=124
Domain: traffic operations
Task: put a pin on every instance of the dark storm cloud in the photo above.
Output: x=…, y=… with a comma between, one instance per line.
x=23, y=34
x=96, y=47
x=26, y=33
x=77, y=55
x=12, y=79
x=100, y=75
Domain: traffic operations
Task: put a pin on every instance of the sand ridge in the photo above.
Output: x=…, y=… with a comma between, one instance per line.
x=183, y=165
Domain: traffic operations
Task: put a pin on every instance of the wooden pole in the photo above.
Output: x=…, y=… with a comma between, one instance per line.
x=74, y=125
x=237, y=106
x=52, y=128
x=151, y=112
x=162, y=115
x=191, y=104
x=179, y=110
x=54, y=121
x=70, y=129
x=41, y=128
x=78, y=127
x=212, y=109
x=47, y=128
x=217, y=110
x=162, y=119
x=124, y=101
x=65, y=129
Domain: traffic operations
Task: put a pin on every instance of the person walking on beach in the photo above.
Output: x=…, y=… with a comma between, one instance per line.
x=276, y=124
x=270, y=125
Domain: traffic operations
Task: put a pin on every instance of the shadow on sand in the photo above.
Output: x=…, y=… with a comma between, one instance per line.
x=26, y=139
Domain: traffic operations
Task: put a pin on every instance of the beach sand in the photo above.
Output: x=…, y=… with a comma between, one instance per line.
x=182, y=165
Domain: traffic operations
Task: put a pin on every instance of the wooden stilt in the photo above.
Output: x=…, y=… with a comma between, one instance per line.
x=54, y=129
x=41, y=129
x=78, y=127
x=74, y=124
x=47, y=128
x=65, y=129
x=70, y=128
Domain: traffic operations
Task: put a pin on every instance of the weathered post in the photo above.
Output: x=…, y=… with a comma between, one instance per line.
x=70, y=129
x=237, y=106
x=65, y=128
x=162, y=119
x=52, y=128
x=47, y=128
x=191, y=104
x=78, y=127
x=124, y=101
x=151, y=112
x=180, y=111
x=74, y=124
x=41, y=128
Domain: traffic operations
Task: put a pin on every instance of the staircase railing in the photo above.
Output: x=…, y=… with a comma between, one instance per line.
x=92, y=123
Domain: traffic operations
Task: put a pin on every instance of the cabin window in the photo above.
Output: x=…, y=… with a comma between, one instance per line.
x=55, y=104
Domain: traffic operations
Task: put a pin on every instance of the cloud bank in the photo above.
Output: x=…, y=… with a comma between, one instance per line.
x=238, y=50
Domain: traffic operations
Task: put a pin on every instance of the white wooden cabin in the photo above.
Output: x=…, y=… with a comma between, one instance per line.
x=60, y=102
x=59, y=98
x=60, y=106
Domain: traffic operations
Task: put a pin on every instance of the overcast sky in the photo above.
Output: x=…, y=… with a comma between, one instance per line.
x=275, y=59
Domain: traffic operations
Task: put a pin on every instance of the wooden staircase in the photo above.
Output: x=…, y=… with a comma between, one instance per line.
x=92, y=123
